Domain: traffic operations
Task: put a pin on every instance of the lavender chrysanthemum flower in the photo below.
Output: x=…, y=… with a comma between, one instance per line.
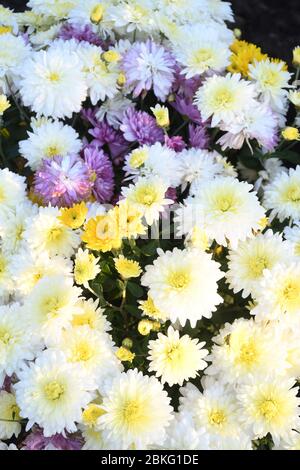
x=175, y=142
x=199, y=137
x=62, y=181
x=140, y=127
x=37, y=441
x=101, y=173
x=186, y=87
x=104, y=134
x=185, y=107
x=148, y=65
x=81, y=33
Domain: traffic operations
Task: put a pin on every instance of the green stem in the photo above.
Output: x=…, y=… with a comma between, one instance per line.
x=179, y=128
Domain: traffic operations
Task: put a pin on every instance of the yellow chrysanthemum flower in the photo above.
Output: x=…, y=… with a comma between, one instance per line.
x=102, y=233
x=296, y=56
x=129, y=220
x=127, y=268
x=4, y=104
x=124, y=355
x=85, y=267
x=291, y=133
x=244, y=53
x=91, y=414
x=161, y=114
x=74, y=216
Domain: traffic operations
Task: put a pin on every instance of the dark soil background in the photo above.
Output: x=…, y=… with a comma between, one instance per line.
x=272, y=24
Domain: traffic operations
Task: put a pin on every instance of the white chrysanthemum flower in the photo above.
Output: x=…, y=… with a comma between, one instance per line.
x=13, y=50
x=282, y=195
x=147, y=195
x=247, y=262
x=47, y=233
x=197, y=166
x=60, y=391
x=95, y=440
x=12, y=189
x=51, y=305
x=13, y=223
x=52, y=82
x=272, y=167
x=269, y=406
x=134, y=15
x=8, y=19
x=184, y=284
x=29, y=267
x=113, y=110
x=225, y=208
x=244, y=348
x=201, y=50
x=289, y=339
x=89, y=313
x=279, y=295
x=47, y=140
x=101, y=76
x=271, y=80
x=182, y=435
x=90, y=349
x=58, y=9
x=85, y=267
x=292, y=235
x=223, y=98
x=156, y=161
x=6, y=283
x=291, y=442
x=241, y=441
x=175, y=359
x=18, y=342
x=92, y=12
x=137, y=410
x=216, y=409
x=9, y=416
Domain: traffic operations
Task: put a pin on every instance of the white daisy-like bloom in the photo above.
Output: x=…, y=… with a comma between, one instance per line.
x=12, y=189
x=272, y=167
x=227, y=168
x=282, y=195
x=244, y=348
x=225, y=208
x=52, y=82
x=147, y=195
x=13, y=51
x=86, y=267
x=6, y=283
x=197, y=166
x=289, y=338
x=201, y=51
x=279, y=295
x=269, y=405
x=292, y=235
x=271, y=81
x=9, y=416
x=133, y=15
x=113, y=110
x=292, y=442
x=182, y=435
x=215, y=410
x=93, y=351
x=101, y=77
x=241, y=441
x=184, y=284
x=50, y=306
x=9, y=19
x=156, y=161
x=137, y=410
x=48, y=234
x=29, y=267
x=13, y=223
x=252, y=256
x=41, y=39
x=94, y=13
x=89, y=313
x=47, y=140
x=52, y=392
x=224, y=98
x=18, y=342
x=257, y=122
x=58, y=9
x=175, y=359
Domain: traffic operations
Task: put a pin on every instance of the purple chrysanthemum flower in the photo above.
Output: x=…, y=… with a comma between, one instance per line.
x=185, y=107
x=37, y=441
x=63, y=181
x=101, y=173
x=148, y=65
x=104, y=134
x=140, y=127
x=81, y=33
x=186, y=87
x=199, y=137
x=175, y=143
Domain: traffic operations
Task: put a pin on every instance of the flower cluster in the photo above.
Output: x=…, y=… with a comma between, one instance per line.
x=149, y=230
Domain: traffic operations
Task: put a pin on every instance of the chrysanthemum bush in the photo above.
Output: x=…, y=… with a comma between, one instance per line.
x=150, y=230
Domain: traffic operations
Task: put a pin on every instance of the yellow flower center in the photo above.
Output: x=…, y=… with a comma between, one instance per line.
x=271, y=78
x=92, y=413
x=257, y=265
x=248, y=354
x=293, y=194
x=81, y=353
x=132, y=412
x=173, y=353
x=52, y=151
x=137, y=158
x=217, y=417
x=55, y=234
x=289, y=295
x=3, y=265
x=53, y=77
x=178, y=280
x=268, y=408
x=51, y=306
x=5, y=336
x=203, y=56
x=54, y=390
x=223, y=99
x=146, y=196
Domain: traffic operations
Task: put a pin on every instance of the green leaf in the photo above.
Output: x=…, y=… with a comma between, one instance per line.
x=135, y=289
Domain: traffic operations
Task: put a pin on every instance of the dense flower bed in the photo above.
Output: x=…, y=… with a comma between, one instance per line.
x=150, y=230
